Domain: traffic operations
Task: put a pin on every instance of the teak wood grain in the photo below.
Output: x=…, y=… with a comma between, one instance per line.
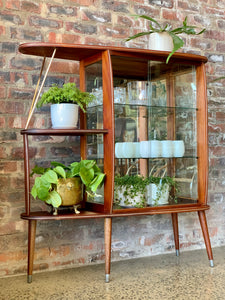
x=121, y=61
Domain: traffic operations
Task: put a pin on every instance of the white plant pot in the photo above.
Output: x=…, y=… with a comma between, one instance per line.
x=126, y=200
x=160, y=41
x=64, y=115
x=156, y=194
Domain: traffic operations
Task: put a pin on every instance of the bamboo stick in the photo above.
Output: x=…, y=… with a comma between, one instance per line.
x=42, y=84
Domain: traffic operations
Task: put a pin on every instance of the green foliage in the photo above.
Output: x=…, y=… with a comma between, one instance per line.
x=69, y=93
x=136, y=185
x=156, y=27
x=133, y=186
x=44, y=186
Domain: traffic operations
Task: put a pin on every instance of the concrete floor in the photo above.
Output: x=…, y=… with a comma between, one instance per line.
x=188, y=276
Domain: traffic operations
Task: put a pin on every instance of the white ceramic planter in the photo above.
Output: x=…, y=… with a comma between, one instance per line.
x=160, y=41
x=156, y=194
x=126, y=200
x=64, y=115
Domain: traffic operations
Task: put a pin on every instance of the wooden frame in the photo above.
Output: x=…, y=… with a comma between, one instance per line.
x=87, y=55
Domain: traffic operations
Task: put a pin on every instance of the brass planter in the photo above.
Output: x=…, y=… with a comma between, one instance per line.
x=71, y=192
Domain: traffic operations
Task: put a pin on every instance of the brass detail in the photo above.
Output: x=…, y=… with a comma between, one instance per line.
x=70, y=190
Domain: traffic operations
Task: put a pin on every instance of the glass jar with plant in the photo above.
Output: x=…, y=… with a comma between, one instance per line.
x=164, y=37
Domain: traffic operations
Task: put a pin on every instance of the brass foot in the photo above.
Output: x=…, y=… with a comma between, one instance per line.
x=55, y=212
x=76, y=208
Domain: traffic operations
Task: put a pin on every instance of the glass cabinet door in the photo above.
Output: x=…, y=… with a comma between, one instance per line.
x=155, y=133
x=94, y=115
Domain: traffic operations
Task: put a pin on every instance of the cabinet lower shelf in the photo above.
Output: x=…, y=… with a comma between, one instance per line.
x=84, y=214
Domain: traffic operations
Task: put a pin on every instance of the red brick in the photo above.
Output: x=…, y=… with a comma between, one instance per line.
x=96, y=41
x=3, y=153
x=17, y=182
x=215, y=35
x=64, y=38
x=30, y=6
x=19, y=78
x=201, y=43
x=8, y=167
x=212, y=11
x=85, y=2
x=217, y=151
x=66, y=67
x=170, y=15
x=12, y=4
x=14, y=108
x=220, y=47
x=42, y=266
x=17, y=152
x=2, y=30
x=18, y=122
x=4, y=182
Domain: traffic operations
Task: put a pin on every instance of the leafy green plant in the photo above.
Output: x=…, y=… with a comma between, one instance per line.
x=45, y=185
x=69, y=93
x=133, y=186
x=156, y=27
x=130, y=187
x=162, y=183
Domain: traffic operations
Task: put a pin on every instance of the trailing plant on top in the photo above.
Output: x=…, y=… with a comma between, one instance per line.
x=155, y=27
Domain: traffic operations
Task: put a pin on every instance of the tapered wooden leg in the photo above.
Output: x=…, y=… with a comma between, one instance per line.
x=31, y=246
x=203, y=222
x=176, y=232
x=108, y=235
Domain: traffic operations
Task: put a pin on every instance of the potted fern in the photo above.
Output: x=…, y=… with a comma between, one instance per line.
x=61, y=185
x=165, y=38
x=65, y=102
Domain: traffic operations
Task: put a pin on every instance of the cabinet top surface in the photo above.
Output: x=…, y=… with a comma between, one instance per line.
x=79, y=52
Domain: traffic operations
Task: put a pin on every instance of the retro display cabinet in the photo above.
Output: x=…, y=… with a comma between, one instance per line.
x=148, y=118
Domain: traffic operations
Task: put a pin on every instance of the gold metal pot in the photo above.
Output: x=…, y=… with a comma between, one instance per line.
x=70, y=191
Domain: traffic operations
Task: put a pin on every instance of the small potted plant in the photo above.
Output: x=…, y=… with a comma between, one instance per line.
x=65, y=101
x=60, y=185
x=137, y=191
x=129, y=191
x=165, y=38
x=158, y=189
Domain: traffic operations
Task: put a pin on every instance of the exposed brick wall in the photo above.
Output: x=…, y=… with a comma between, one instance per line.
x=66, y=243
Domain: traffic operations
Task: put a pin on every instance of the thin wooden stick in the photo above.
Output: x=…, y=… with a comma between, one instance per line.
x=35, y=93
x=42, y=84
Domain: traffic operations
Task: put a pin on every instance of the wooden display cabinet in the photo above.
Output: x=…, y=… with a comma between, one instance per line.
x=139, y=98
